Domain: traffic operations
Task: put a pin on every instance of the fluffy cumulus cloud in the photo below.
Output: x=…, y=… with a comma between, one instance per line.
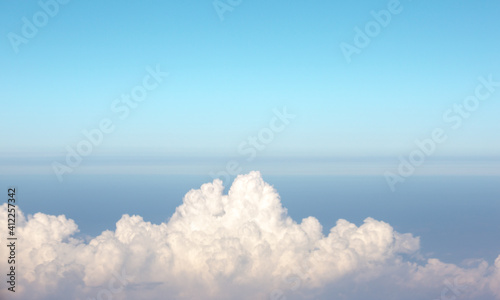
x=242, y=245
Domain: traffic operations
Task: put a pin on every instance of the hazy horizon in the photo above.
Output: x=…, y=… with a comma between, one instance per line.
x=232, y=149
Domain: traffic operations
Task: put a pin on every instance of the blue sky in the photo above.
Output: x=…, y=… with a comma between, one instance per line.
x=226, y=77
x=273, y=73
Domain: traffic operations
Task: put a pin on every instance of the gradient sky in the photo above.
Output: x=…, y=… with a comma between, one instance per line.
x=226, y=77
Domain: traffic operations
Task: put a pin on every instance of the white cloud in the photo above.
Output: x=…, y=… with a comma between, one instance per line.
x=241, y=245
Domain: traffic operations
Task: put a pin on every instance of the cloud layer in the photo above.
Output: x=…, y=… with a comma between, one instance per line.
x=242, y=245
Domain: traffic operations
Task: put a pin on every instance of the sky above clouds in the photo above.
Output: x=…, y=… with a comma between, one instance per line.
x=226, y=77
x=111, y=111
